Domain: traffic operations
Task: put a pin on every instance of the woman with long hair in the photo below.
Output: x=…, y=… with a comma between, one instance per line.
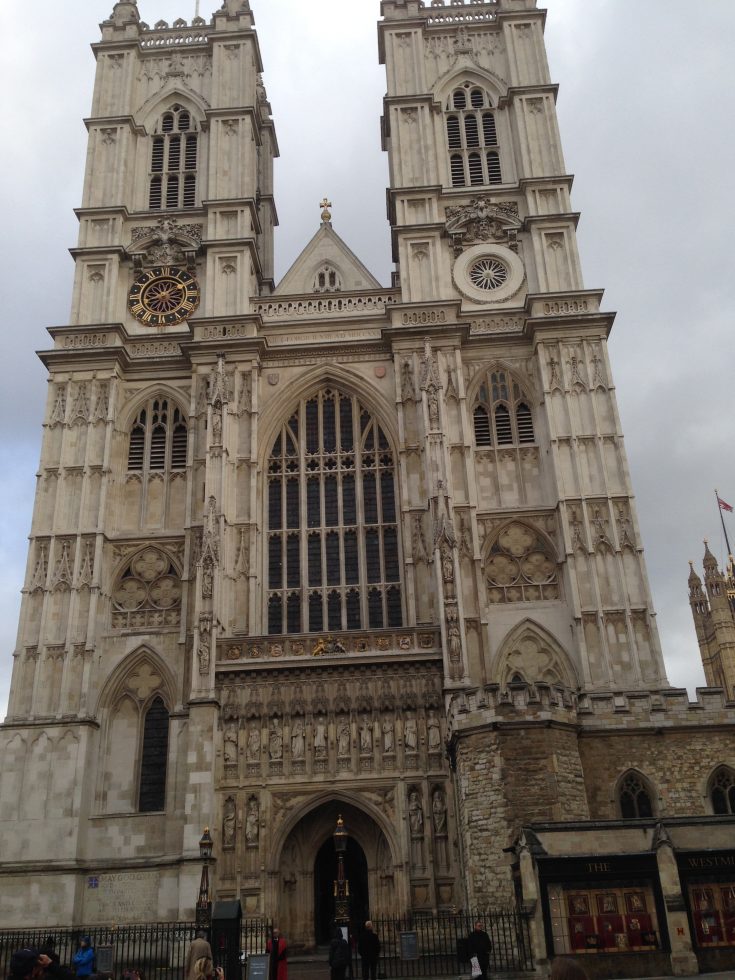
x=204, y=970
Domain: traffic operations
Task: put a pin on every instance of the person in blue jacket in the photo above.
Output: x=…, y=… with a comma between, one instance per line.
x=84, y=958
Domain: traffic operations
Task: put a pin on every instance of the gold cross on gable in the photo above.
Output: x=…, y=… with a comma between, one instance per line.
x=326, y=213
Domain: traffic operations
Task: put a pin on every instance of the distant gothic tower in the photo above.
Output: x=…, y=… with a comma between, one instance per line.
x=299, y=549
x=713, y=609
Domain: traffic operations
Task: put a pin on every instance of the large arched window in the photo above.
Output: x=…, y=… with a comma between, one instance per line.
x=174, y=161
x=722, y=791
x=333, y=560
x=158, y=438
x=472, y=138
x=502, y=414
x=153, y=759
x=634, y=797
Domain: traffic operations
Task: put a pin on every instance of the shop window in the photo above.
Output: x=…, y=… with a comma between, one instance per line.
x=612, y=918
x=712, y=905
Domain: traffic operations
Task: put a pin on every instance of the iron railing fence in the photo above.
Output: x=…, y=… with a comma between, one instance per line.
x=440, y=944
x=158, y=949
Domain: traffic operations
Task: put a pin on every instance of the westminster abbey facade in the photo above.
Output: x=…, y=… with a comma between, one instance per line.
x=319, y=546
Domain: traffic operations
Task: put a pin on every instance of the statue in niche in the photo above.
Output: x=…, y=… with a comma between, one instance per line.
x=229, y=823
x=217, y=426
x=447, y=570
x=415, y=814
x=439, y=812
x=408, y=391
x=320, y=738
x=343, y=738
x=207, y=580
x=253, y=746
x=389, y=739
x=418, y=544
x=252, y=821
x=230, y=745
x=275, y=740
x=433, y=400
x=454, y=641
x=204, y=653
x=366, y=736
x=410, y=734
x=298, y=744
x=435, y=735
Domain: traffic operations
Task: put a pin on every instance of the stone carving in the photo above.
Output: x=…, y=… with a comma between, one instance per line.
x=366, y=736
x=343, y=738
x=62, y=576
x=275, y=740
x=86, y=572
x=41, y=568
x=447, y=565
x=418, y=542
x=521, y=566
x=451, y=385
x=434, y=730
x=210, y=537
x=410, y=734
x=81, y=409
x=389, y=741
x=204, y=653
x=415, y=814
x=298, y=742
x=245, y=401
x=207, y=578
x=229, y=824
x=58, y=412
x=483, y=221
x=408, y=388
x=165, y=243
x=465, y=538
x=320, y=738
x=242, y=565
x=217, y=426
x=454, y=637
x=439, y=812
x=253, y=746
x=230, y=745
x=252, y=823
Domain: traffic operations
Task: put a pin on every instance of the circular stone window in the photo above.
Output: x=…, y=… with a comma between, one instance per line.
x=488, y=273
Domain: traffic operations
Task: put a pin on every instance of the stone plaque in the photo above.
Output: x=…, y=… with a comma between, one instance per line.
x=116, y=898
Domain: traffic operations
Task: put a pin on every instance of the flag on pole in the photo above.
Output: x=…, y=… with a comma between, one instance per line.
x=724, y=505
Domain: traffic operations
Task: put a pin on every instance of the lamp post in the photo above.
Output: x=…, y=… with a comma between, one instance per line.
x=204, y=903
x=341, y=885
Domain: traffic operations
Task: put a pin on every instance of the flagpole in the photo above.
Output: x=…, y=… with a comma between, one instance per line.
x=722, y=521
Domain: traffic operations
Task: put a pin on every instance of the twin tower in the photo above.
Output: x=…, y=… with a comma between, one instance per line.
x=323, y=545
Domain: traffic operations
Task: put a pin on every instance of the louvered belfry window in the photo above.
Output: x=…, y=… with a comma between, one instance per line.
x=472, y=138
x=154, y=757
x=158, y=438
x=174, y=161
x=502, y=414
x=333, y=560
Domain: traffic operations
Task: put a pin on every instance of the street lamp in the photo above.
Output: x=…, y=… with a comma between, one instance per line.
x=204, y=904
x=341, y=885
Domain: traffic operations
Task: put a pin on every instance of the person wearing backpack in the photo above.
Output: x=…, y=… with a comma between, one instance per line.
x=83, y=959
x=339, y=956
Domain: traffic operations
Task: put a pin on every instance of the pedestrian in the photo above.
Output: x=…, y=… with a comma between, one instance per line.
x=55, y=969
x=204, y=970
x=339, y=955
x=199, y=948
x=83, y=959
x=479, y=947
x=277, y=949
x=563, y=969
x=28, y=964
x=368, y=947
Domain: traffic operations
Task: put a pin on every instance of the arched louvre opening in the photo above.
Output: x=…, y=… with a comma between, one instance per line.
x=174, y=161
x=154, y=758
x=472, y=138
x=333, y=559
x=501, y=401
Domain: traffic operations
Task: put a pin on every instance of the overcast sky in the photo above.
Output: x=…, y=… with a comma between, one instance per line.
x=645, y=108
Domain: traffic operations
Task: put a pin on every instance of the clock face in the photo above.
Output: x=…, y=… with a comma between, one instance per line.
x=163, y=296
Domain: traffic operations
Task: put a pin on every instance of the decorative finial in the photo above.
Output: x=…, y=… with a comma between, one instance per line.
x=326, y=204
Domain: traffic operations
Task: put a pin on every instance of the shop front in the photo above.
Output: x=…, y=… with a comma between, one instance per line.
x=708, y=885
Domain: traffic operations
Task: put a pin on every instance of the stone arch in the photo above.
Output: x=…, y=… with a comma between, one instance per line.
x=526, y=383
x=722, y=778
x=530, y=652
x=148, y=113
x=310, y=383
x=116, y=684
x=494, y=84
x=129, y=412
x=632, y=783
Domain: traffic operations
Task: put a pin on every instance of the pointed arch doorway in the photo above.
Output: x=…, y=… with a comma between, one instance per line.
x=307, y=868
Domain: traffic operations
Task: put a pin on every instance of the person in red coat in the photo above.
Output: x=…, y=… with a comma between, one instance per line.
x=276, y=948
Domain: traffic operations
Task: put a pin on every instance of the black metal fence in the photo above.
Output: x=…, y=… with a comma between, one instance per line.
x=411, y=945
x=436, y=945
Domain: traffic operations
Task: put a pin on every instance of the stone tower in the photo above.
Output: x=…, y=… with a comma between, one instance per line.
x=713, y=609
x=322, y=547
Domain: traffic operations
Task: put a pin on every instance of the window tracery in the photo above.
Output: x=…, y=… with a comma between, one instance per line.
x=502, y=414
x=174, y=161
x=472, y=138
x=722, y=791
x=154, y=758
x=148, y=593
x=332, y=517
x=521, y=566
x=158, y=438
x=327, y=280
x=634, y=797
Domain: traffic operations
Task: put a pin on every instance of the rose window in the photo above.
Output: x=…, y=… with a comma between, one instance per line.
x=488, y=274
x=521, y=567
x=148, y=593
